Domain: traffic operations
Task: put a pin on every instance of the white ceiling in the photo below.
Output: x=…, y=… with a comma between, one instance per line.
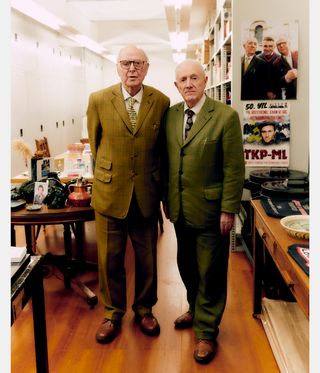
x=146, y=23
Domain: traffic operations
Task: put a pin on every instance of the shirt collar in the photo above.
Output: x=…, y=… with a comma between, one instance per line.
x=196, y=108
x=138, y=96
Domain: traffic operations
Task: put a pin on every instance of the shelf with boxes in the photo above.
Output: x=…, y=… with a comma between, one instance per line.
x=219, y=63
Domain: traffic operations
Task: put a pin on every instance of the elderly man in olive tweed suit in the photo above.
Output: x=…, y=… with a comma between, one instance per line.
x=205, y=175
x=124, y=122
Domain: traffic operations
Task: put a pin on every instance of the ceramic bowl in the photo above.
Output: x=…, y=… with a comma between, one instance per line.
x=297, y=226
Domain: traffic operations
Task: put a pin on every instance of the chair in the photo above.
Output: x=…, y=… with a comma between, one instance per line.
x=42, y=147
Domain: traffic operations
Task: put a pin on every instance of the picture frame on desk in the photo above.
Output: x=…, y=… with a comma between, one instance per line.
x=58, y=165
x=41, y=167
x=40, y=192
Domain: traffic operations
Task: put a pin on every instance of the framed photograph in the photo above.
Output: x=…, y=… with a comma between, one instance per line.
x=40, y=168
x=269, y=62
x=40, y=192
x=44, y=166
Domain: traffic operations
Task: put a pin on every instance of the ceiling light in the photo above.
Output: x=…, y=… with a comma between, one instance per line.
x=178, y=40
x=38, y=13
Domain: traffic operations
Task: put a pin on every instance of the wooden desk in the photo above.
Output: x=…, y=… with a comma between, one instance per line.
x=71, y=218
x=30, y=285
x=268, y=233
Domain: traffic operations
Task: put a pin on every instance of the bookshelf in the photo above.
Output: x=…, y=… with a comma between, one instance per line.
x=219, y=64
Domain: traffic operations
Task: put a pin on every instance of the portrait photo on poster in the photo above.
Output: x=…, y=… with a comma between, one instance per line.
x=269, y=61
x=40, y=192
x=266, y=133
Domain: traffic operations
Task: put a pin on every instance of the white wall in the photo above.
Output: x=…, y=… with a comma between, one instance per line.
x=48, y=81
x=51, y=79
x=284, y=10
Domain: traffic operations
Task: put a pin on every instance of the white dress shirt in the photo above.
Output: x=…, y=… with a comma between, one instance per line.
x=137, y=97
x=195, y=109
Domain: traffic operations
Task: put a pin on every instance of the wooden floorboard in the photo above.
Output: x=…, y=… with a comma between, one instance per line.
x=71, y=324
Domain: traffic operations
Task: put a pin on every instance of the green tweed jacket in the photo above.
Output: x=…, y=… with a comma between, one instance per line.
x=205, y=172
x=125, y=161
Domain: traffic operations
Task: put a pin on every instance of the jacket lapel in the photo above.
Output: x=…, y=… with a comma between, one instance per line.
x=203, y=117
x=119, y=105
x=145, y=106
x=179, y=126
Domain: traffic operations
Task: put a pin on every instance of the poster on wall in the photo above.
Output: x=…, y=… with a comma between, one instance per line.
x=266, y=133
x=269, y=61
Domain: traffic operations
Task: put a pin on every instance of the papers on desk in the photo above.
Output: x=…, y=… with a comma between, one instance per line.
x=18, y=253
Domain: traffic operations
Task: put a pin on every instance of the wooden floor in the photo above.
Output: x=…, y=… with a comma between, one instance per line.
x=71, y=324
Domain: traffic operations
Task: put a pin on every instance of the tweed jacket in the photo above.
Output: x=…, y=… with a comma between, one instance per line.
x=206, y=171
x=125, y=160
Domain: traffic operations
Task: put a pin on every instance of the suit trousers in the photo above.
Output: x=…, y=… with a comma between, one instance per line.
x=202, y=258
x=112, y=234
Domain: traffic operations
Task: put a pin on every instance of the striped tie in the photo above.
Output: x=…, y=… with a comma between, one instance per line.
x=132, y=113
x=189, y=122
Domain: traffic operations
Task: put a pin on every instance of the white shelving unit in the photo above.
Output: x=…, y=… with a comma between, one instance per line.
x=219, y=66
x=219, y=73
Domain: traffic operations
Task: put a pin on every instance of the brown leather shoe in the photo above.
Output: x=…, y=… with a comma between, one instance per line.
x=205, y=351
x=148, y=324
x=184, y=321
x=108, y=330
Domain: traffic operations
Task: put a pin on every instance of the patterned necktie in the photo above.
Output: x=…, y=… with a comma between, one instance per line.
x=189, y=122
x=132, y=113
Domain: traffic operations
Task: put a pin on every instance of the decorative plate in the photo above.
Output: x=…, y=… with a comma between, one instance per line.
x=297, y=226
x=34, y=207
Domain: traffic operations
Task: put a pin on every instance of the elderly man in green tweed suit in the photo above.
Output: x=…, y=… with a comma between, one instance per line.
x=205, y=175
x=124, y=123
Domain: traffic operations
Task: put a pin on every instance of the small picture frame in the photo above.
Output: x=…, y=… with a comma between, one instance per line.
x=41, y=168
x=44, y=166
x=40, y=192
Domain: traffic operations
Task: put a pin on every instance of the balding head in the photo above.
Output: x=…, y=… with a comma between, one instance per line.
x=190, y=64
x=250, y=46
x=132, y=67
x=283, y=45
x=132, y=50
x=190, y=81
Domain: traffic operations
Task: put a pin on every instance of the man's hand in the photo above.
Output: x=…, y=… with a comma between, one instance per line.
x=226, y=222
x=291, y=75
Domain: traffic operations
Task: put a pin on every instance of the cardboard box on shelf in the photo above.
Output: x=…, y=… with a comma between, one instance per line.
x=205, y=52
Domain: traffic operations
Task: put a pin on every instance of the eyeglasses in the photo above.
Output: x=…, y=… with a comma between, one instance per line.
x=137, y=64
